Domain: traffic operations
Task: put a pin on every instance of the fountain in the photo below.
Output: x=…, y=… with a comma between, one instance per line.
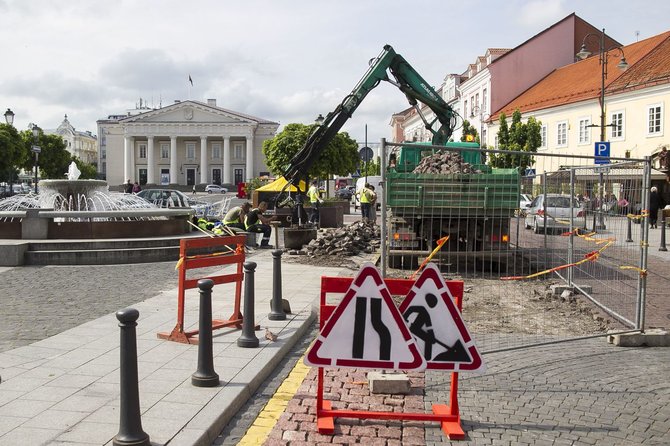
x=85, y=210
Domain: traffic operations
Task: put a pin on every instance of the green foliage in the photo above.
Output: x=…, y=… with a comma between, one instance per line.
x=54, y=158
x=469, y=130
x=518, y=137
x=373, y=167
x=13, y=152
x=340, y=156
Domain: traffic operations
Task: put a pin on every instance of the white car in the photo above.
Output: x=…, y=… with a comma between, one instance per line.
x=557, y=211
x=215, y=189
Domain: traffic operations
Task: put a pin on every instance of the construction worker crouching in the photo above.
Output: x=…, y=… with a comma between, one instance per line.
x=236, y=216
x=256, y=222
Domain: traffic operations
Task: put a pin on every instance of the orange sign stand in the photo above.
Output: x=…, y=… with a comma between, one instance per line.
x=231, y=253
x=447, y=415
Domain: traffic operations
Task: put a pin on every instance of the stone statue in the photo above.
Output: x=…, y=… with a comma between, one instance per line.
x=73, y=171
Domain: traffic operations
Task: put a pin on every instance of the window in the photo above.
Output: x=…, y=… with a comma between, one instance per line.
x=477, y=101
x=562, y=134
x=238, y=152
x=216, y=151
x=584, y=130
x=654, y=113
x=543, y=136
x=617, y=125
x=165, y=151
x=484, y=99
x=465, y=107
x=143, y=151
x=190, y=150
x=495, y=143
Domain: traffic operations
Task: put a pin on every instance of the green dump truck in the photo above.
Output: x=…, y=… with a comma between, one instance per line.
x=472, y=206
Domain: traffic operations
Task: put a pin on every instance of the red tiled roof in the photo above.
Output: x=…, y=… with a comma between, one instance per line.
x=648, y=60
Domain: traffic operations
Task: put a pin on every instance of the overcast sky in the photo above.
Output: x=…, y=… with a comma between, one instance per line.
x=286, y=61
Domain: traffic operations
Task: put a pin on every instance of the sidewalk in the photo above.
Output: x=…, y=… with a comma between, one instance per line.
x=64, y=390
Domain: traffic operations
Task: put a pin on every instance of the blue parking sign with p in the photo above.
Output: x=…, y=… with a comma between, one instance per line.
x=603, y=151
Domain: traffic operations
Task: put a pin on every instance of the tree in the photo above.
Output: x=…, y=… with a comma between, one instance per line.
x=340, y=156
x=373, y=167
x=14, y=152
x=469, y=130
x=518, y=137
x=54, y=159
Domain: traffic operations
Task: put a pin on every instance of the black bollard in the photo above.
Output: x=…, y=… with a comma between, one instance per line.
x=130, y=420
x=248, y=338
x=205, y=376
x=663, y=247
x=276, y=307
x=629, y=231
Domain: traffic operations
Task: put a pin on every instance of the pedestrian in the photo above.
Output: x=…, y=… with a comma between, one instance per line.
x=129, y=187
x=136, y=187
x=256, y=222
x=235, y=217
x=193, y=190
x=315, y=201
x=364, y=198
x=654, y=206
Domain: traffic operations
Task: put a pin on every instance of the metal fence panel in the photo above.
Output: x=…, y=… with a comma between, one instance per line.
x=585, y=231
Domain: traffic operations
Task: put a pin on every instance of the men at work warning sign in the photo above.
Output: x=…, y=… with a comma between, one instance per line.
x=367, y=330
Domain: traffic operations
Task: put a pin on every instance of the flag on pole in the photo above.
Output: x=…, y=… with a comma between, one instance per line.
x=190, y=80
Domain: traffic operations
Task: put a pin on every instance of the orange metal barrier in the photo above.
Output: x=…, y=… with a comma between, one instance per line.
x=231, y=252
x=447, y=415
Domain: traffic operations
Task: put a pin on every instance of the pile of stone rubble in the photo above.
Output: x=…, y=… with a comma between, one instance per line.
x=444, y=163
x=346, y=241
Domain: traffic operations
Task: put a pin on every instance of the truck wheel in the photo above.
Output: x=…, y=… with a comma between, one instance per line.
x=395, y=262
x=525, y=224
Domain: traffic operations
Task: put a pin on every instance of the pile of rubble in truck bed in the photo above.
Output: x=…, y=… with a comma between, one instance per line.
x=444, y=162
x=347, y=241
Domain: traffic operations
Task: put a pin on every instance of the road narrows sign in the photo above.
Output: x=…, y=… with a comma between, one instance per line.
x=366, y=330
x=437, y=325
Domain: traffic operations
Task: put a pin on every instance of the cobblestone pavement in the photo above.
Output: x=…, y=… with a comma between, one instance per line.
x=580, y=393
x=40, y=301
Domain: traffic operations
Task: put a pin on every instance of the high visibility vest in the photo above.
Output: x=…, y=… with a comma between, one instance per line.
x=313, y=194
x=364, y=195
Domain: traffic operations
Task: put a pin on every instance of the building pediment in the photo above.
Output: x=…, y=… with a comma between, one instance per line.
x=189, y=112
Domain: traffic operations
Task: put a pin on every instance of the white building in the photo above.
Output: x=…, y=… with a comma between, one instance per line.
x=83, y=145
x=185, y=143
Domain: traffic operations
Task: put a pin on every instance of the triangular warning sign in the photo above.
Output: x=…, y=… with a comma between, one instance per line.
x=366, y=330
x=437, y=325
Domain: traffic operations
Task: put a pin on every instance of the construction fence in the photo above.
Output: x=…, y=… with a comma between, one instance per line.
x=521, y=236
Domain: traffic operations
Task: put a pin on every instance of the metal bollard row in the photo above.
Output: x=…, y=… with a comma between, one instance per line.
x=205, y=376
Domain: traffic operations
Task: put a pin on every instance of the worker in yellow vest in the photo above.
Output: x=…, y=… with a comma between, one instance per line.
x=364, y=197
x=315, y=201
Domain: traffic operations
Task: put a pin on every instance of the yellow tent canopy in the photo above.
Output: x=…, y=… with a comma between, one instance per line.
x=277, y=186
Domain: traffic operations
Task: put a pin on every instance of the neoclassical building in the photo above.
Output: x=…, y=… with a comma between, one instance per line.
x=83, y=145
x=185, y=143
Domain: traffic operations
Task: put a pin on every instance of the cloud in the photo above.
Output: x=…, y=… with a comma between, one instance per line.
x=540, y=13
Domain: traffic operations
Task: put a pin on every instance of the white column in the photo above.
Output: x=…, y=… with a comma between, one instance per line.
x=128, y=158
x=227, y=168
x=151, y=163
x=250, y=158
x=173, y=160
x=204, y=165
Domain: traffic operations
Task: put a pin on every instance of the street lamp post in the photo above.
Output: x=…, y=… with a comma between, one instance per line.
x=602, y=59
x=9, y=117
x=36, y=150
x=603, y=54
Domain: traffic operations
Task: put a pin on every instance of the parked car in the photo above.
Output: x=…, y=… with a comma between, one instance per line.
x=344, y=193
x=558, y=210
x=215, y=189
x=524, y=204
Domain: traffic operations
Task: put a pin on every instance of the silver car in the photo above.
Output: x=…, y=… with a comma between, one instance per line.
x=557, y=211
